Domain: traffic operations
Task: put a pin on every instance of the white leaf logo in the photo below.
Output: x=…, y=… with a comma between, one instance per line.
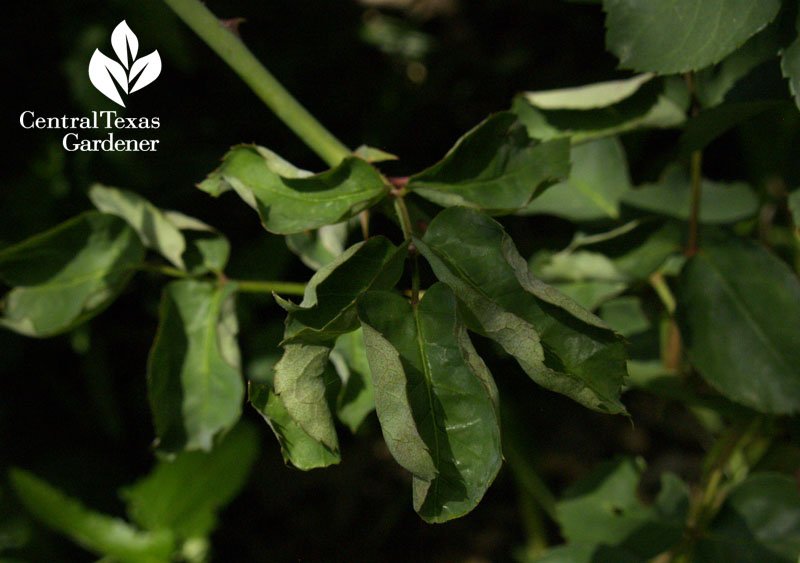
x=109, y=76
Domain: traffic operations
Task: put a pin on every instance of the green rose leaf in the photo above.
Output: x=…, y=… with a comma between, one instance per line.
x=598, y=180
x=713, y=83
x=102, y=534
x=603, y=109
x=155, y=230
x=302, y=389
x=328, y=307
x=790, y=65
x=604, y=509
x=184, y=494
x=207, y=250
x=435, y=399
x=560, y=345
x=673, y=36
x=290, y=200
x=67, y=275
x=356, y=399
x=194, y=380
x=739, y=316
x=760, y=521
x=672, y=196
x=297, y=447
x=319, y=247
x=495, y=167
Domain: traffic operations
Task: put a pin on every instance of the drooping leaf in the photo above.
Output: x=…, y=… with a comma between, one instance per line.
x=739, y=316
x=156, y=231
x=495, y=167
x=760, y=521
x=713, y=83
x=194, y=382
x=297, y=447
x=435, y=398
x=620, y=106
x=604, y=509
x=597, y=181
x=207, y=250
x=356, y=399
x=559, y=344
x=303, y=391
x=672, y=36
x=319, y=247
x=65, y=276
x=790, y=65
x=102, y=534
x=328, y=307
x=183, y=495
x=672, y=196
x=290, y=200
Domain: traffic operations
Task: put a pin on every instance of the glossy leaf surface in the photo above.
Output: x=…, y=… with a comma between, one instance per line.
x=290, y=200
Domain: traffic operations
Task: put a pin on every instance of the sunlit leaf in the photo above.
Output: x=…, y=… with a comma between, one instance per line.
x=297, y=447
x=620, y=106
x=155, y=230
x=67, y=275
x=290, y=200
x=194, y=380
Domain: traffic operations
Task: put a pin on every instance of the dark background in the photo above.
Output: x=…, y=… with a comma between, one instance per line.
x=73, y=409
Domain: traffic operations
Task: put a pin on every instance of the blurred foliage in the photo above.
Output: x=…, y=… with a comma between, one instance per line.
x=73, y=409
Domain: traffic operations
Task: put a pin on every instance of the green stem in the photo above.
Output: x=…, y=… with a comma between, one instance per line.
x=243, y=286
x=659, y=284
x=256, y=286
x=231, y=49
x=694, y=218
